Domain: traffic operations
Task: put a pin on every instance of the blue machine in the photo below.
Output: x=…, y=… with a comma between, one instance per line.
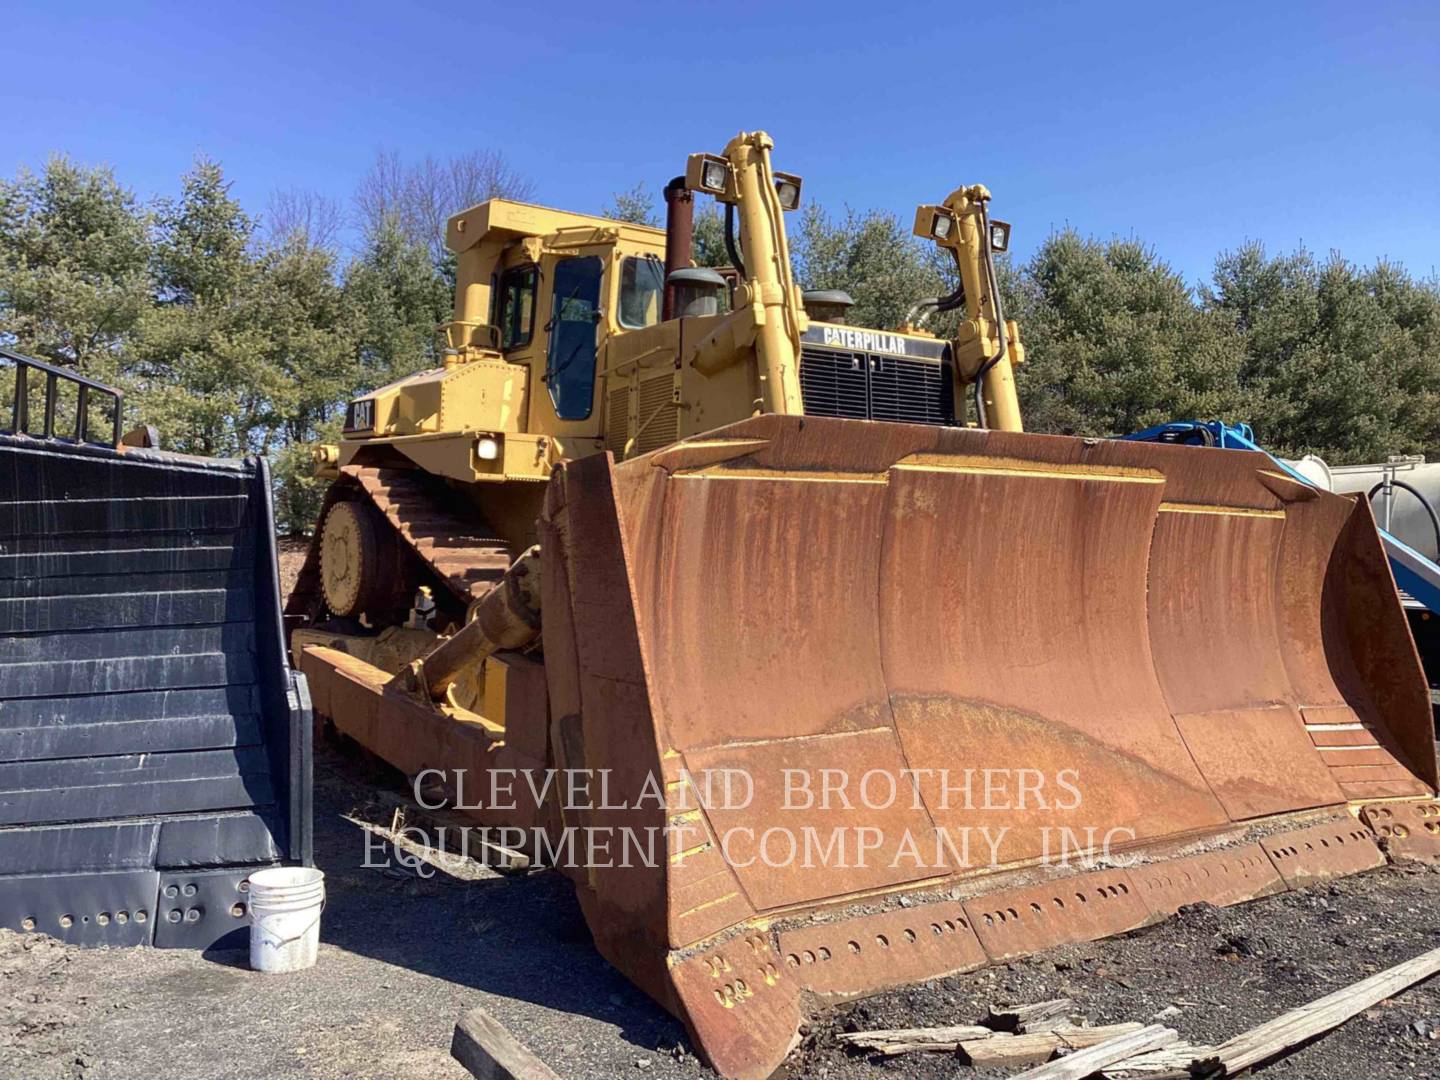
x=1414, y=573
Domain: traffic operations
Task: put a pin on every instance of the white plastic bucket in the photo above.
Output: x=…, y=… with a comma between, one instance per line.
x=285, y=906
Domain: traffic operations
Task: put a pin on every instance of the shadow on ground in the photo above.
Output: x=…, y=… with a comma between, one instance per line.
x=521, y=938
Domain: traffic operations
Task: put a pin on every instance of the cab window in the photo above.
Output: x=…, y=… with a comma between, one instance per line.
x=517, y=306
x=574, y=315
x=642, y=283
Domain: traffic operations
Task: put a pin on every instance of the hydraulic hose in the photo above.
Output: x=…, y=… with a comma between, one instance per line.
x=995, y=309
x=730, y=247
x=1429, y=509
x=921, y=308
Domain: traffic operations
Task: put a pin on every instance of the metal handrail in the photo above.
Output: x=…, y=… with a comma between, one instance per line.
x=20, y=414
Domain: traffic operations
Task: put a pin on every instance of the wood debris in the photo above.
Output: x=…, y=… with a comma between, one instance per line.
x=1085, y=1062
x=913, y=1040
x=1169, y=1061
x=1037, y=1017
x=1319, y=1016
x=1026, y=1034
x=1002, y=1049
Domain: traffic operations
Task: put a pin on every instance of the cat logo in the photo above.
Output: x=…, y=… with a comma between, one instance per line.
x=846, y=337
x=362, y=415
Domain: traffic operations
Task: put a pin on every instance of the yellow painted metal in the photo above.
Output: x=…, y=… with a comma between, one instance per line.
x=769, y=291
x=485, y=421
x=655, y=383
x=391, y=650
x=986, y=345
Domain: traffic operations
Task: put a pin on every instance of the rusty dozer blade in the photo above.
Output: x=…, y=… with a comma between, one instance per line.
x=932, y=661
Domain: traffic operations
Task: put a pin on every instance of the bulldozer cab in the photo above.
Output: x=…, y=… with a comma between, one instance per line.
x=556, y=315
x=540, y=296
x=564, y=286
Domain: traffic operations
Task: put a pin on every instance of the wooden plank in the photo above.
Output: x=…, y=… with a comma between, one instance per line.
x=490, y=1052
x=893, y=1041
x=983, y=1045
x=1169, y=1061
x=1037, y=1017
x=1083, y=1063
x=1298, y=1025
x=1002, y=1049
x=459, y=834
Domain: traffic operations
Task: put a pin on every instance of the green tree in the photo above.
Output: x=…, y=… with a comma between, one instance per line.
x=74, y=252
x=1345, y=361
x=870, y=255
x=636, y=206
x=709, y=237
x=249, y=347
x=398, y=299
x=1116, y=343
x=202, y=239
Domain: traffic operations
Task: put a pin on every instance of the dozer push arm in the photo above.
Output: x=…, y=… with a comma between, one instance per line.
x=506, y=617
x=987, y=345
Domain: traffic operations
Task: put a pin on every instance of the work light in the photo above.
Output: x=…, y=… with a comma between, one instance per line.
x=787, y=189
x=713, y=175
x=999, y=235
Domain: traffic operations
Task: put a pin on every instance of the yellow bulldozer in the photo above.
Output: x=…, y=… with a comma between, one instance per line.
x=900, y=689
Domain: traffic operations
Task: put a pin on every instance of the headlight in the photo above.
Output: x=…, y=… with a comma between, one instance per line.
x=787, y=189
x=999, y=235
x=942, y=226
x=487, y=448
x=713, y=176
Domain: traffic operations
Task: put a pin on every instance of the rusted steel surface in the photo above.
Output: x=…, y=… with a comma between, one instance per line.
x=972, y=649
x=1224, y=877
x=602, y=720
x=1355, y=673
x=1018, y=922
x=741, y=1004
x=858, y=956
x=1320, y=852
x=944, y=599
x=679, y=237
x=459, y=547
x=1406, y=830
x=1098, y=641
x=1218, y=566
x=401, y=728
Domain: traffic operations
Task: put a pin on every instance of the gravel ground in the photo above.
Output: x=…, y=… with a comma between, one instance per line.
x=402, y=957
x=290, y=552
x=1226, y=970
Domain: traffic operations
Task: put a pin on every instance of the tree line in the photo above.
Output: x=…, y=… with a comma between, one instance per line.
x=237, y=331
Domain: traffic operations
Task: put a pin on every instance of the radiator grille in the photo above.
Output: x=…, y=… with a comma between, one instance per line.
x=868, y=386
x=659, y=419
x=834, y=383
x=908, y=391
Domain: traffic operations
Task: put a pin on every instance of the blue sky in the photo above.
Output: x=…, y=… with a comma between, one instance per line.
x=1192, y=126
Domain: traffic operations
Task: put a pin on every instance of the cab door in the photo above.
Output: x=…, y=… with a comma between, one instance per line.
x=574, y=319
